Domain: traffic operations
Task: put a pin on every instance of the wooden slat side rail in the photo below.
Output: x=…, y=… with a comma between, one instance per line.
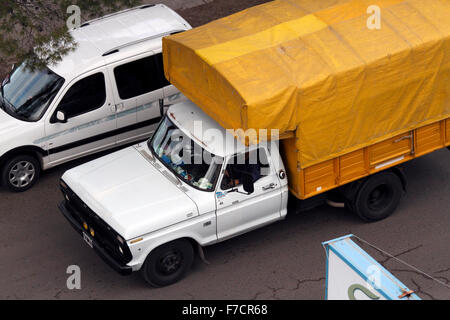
x=378, y=157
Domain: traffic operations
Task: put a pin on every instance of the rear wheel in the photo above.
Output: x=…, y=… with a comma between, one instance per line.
x=20, y=173
x=168, y=263
x=378, y=197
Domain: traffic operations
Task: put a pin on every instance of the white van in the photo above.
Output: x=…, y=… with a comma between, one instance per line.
x=109, y=91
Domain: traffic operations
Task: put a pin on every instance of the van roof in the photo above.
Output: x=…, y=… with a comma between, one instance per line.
x=101, y=41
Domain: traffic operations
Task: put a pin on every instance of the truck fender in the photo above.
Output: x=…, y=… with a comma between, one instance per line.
x=195, y=245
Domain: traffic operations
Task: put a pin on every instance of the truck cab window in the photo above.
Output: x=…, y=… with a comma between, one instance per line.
x=254, y=163
x=140, y=77
x=186, y=159
x=84, y=96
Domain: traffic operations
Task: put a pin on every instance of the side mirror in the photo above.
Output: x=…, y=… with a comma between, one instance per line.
x=248, y=184
x=61, y=117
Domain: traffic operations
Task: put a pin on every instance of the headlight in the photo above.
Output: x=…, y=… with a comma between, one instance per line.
x=120, y=249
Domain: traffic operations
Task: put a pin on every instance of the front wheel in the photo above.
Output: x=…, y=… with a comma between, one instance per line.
x=378, y=196
x=20, y=173
x=168, y=263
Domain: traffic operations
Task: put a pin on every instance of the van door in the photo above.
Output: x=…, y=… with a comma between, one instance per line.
x=138, y=91
x=90, y=121
x=238, y=212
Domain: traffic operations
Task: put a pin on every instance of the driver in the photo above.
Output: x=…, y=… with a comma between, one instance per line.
x=234, y=172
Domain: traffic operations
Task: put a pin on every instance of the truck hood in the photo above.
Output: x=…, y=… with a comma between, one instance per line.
x=130, y=194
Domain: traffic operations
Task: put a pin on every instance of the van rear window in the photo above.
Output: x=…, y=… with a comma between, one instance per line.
x=140, y=77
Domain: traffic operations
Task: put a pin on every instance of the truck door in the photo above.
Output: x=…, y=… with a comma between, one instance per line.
x=237, y=212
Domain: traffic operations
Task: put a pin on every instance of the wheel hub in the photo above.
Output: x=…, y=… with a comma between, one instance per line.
x=379, y=197
x=170, y=263
x=22, y=174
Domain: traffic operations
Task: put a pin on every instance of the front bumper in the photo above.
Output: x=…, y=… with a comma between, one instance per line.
x=119, y=266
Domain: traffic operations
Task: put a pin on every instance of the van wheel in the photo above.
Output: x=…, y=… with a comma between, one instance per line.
x=168, y=263
x=20, y=173
x=378, y=197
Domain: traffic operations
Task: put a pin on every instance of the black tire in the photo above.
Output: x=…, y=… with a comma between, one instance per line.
x=168, y=263
x=378, y=197
x=20, y=173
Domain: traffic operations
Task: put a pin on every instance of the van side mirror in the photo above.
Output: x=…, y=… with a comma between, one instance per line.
x=248, y=184
x=61, y=117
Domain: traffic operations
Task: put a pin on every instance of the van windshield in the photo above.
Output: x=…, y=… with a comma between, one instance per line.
x=185, y=158
x=26, y=94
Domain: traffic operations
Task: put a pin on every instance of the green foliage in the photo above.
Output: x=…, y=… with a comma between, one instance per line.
x=35, y=30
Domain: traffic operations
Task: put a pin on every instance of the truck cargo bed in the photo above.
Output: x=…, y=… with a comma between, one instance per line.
x=327, y=175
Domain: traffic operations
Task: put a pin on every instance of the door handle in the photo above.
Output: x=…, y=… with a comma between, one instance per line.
x=119, y=107
x=270, y=186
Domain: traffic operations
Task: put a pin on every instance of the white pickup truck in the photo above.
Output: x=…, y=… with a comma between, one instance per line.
x=147, y=207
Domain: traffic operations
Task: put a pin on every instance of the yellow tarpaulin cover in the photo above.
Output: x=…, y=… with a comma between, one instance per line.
x=313, y=67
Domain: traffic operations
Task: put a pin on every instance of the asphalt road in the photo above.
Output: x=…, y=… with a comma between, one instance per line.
x=281, y=261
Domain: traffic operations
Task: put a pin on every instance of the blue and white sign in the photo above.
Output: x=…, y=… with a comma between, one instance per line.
x=354, y=275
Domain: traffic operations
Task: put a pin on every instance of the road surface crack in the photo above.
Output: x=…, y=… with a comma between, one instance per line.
x=387, y=257
x=442, y=271
x=419, y=290
x=300, y=282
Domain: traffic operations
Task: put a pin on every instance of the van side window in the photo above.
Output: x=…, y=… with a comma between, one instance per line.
x=84, y=96
x=254, y=163
x=140, y=77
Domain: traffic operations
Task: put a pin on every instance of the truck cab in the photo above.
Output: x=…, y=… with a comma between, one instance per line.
x=148, y=207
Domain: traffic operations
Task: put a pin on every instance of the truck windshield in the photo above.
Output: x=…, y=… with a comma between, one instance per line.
x=26, y=94
x=185, y=158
